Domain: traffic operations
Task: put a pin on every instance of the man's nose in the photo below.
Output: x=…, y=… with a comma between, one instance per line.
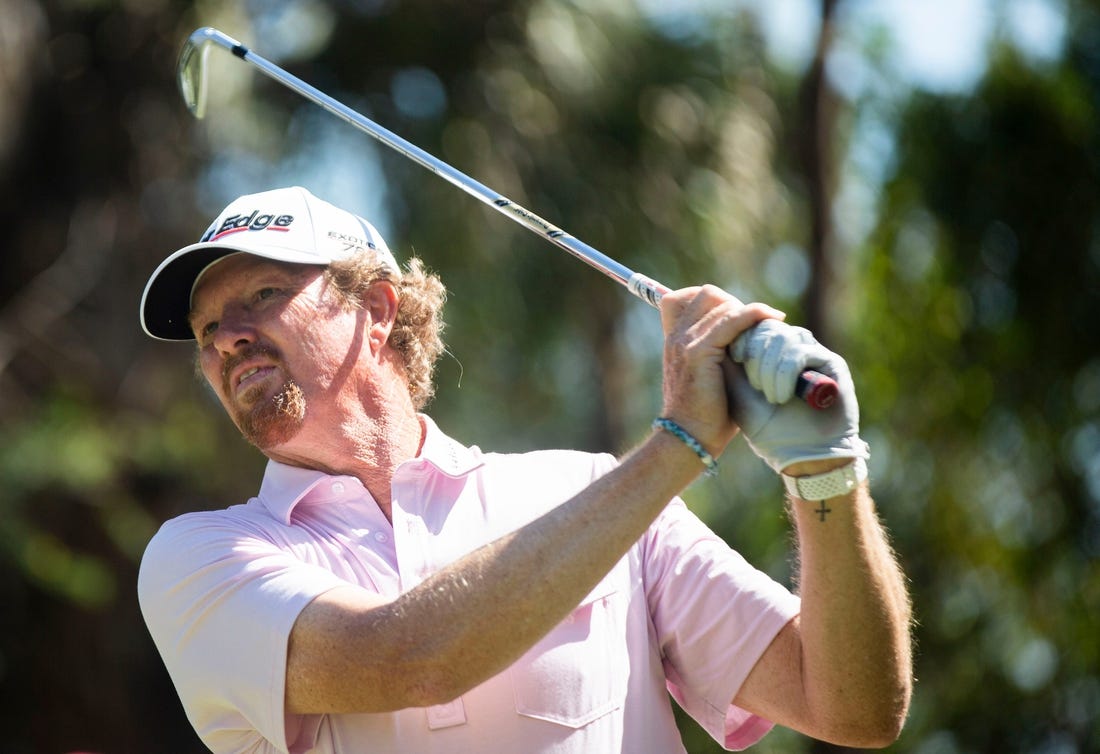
x=236, y=330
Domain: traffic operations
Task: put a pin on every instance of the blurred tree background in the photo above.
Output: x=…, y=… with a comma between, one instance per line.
x=945, y=238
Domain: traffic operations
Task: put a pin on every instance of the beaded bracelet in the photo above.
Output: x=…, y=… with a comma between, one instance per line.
x=682, y=434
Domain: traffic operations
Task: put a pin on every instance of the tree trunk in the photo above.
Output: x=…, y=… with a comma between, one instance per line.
x=818, y=116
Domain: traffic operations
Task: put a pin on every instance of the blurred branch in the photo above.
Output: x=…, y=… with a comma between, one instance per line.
x=23, y=30
x=57, y=290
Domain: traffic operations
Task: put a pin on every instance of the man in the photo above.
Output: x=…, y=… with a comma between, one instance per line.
x=391, y=590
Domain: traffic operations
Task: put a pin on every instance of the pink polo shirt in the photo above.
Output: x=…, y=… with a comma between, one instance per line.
x=681, y=613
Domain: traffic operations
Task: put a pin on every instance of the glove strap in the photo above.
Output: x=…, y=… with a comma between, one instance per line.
x=839, y=481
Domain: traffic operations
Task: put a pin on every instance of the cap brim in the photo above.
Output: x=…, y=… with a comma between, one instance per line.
x=166, y=302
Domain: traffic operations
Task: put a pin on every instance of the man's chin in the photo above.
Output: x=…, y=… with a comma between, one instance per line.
x=270, y=437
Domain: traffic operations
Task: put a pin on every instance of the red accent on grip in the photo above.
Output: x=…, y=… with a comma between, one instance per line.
x=817, y=389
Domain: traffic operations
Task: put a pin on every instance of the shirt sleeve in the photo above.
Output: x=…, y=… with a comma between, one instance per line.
x=220, y=600
x=714, y=615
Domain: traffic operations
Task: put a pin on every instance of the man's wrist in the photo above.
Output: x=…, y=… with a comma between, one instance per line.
x=710, y=465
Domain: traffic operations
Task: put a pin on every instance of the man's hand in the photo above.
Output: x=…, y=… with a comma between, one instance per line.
x=699, y=325
x=781, y=431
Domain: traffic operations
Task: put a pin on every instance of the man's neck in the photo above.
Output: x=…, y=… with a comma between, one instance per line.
x=370, y=450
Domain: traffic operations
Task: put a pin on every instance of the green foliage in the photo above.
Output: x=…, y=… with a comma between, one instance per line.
x=973, y=342
x=75, y=454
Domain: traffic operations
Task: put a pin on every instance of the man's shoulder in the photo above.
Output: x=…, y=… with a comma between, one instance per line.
x=192, y=525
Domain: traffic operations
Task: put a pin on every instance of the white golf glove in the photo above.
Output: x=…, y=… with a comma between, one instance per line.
x=782, y=431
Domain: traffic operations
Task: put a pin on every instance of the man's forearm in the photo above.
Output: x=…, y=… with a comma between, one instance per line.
x=855, y=621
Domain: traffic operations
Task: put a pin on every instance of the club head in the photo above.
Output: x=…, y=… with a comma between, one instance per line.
x=191, y=68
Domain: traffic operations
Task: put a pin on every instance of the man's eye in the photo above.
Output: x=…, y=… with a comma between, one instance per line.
x=265, y=293
x=208, y=329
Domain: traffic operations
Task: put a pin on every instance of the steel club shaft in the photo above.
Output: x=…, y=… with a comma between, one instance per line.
x=817, y=389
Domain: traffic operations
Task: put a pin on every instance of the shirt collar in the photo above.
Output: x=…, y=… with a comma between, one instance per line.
x=447, y=454
x=284, y=486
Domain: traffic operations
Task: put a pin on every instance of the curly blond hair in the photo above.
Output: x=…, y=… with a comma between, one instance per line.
x=417, y=333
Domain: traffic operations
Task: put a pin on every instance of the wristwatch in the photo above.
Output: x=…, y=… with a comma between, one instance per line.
x=839, y=481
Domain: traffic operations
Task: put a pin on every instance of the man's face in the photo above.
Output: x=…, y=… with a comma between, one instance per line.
x=275, y=344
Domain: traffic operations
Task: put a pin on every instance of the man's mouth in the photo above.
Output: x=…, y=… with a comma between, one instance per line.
x=250, y=376
x=246, y=374
x=248, y=369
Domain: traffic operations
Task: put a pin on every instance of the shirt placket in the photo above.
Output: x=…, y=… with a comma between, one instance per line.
x=362, y=520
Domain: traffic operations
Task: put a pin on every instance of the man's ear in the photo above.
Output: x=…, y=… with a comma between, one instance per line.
x=380, y=302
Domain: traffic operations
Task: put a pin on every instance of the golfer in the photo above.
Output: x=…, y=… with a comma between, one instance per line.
x=393, y=589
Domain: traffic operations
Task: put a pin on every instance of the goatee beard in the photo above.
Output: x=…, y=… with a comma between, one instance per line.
x=276, y=421
x=271, y=422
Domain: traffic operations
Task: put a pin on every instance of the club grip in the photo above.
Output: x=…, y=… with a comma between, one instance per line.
x=818, y=390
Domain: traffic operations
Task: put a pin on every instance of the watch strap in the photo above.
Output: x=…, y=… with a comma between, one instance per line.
x=839, y=481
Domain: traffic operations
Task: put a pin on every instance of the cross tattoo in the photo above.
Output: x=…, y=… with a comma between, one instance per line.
x=823, y=511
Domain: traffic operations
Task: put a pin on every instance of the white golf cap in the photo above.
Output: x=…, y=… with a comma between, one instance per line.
x=286, y=225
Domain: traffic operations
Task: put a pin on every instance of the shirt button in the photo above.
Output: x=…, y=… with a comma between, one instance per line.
x=380, y=537
x=338, y=488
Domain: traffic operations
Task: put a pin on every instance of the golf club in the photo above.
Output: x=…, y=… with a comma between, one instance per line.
x=817, y=389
